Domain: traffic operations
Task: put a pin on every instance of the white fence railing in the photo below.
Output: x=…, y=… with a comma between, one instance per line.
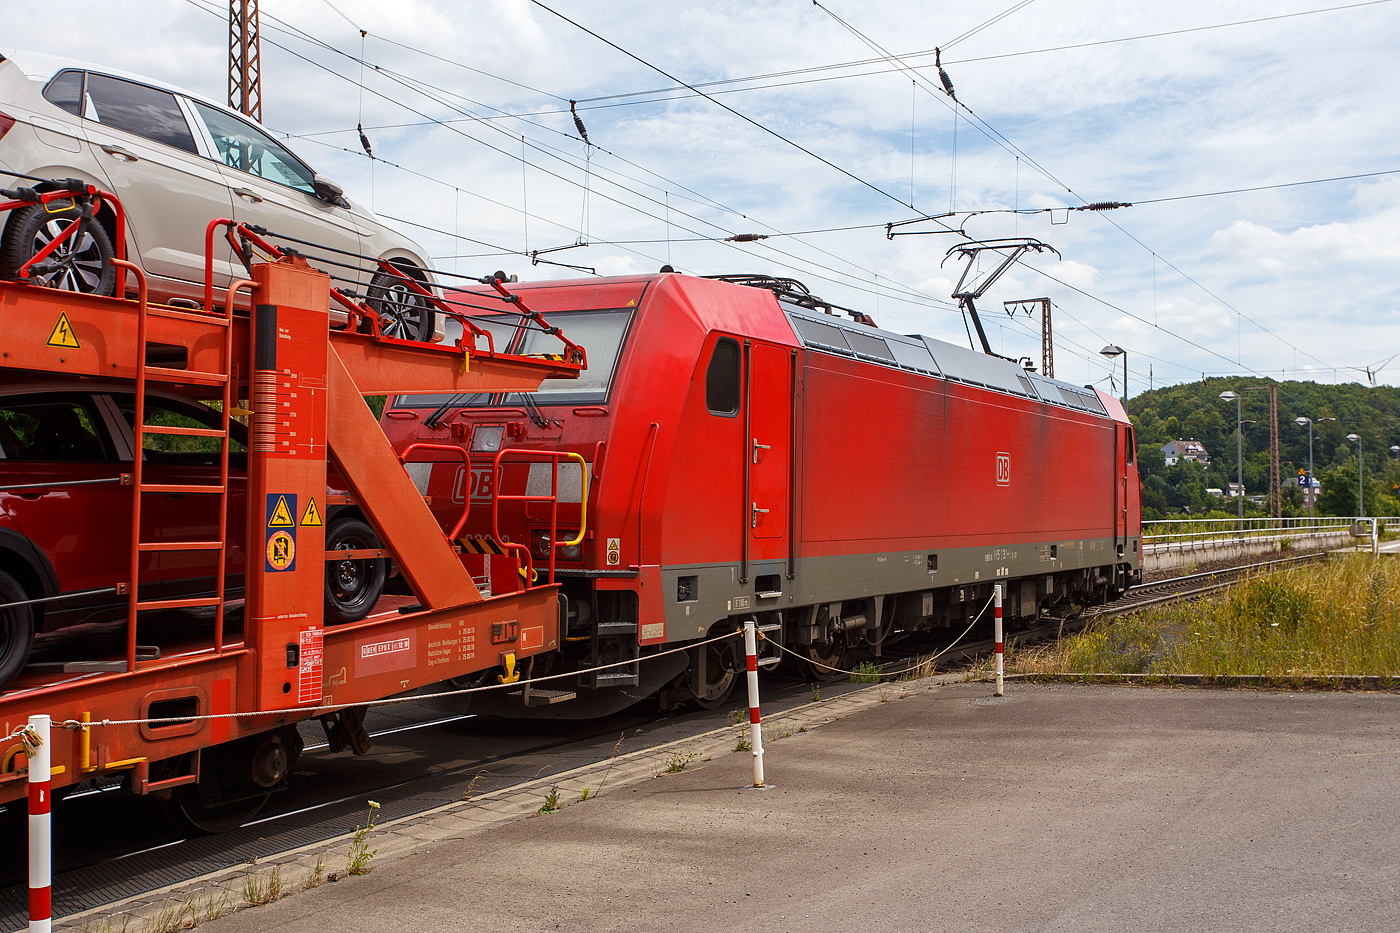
x=1169, y=543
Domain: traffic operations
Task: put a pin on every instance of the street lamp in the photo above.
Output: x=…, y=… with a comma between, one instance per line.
x=1360, y=493
x=1235, y=397
x=1309, y=423
x=1111, y=351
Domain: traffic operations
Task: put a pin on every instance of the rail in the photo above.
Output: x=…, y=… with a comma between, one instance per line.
x=553, y=457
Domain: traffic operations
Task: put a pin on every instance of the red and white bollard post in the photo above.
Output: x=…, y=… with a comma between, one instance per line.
x=755, y=727
x=996, y=609
x=40, y=835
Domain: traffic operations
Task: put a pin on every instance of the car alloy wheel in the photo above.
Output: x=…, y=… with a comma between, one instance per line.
x=403, y=312
x=84, y=262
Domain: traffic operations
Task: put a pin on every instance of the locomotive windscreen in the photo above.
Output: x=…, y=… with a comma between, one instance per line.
x=600, y=333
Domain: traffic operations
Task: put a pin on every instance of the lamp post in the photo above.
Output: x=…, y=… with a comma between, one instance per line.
x=1111, y=351
x=1309, y=422
x=1235, y=397
x=1360, y=492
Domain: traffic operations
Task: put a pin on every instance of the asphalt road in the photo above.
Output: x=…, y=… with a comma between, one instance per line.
x=1057, y=808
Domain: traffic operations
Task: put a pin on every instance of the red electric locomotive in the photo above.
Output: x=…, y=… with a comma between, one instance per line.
x=742, y=449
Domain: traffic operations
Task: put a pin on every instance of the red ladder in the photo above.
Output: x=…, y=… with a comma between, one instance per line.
x=160, y=374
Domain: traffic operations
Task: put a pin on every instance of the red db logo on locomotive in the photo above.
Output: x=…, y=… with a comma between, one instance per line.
x=1003, y=469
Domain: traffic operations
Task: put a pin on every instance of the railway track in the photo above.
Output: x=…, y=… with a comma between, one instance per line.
x=421, y=760
x=1159, y=592
x=138, y=851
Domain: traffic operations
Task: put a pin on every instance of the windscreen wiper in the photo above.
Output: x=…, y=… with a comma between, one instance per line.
x=432, y=420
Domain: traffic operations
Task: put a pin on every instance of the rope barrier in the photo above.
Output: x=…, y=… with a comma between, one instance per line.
x=838, y=670
x=73, y=724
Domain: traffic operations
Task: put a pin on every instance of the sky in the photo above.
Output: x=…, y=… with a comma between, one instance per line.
x=818, y=124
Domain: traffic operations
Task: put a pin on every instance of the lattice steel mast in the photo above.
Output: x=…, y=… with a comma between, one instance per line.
x=244, y=85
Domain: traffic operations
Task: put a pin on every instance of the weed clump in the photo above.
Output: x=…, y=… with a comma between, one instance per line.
x=866, y=672
x=357, y=861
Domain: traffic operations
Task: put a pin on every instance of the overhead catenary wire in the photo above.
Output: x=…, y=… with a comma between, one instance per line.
x=717, y=86
x=667, y=208
x=1013, y=148
x=382, y=71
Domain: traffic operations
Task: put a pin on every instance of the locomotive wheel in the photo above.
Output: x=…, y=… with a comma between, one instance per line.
x=191, y=813
x=720, y=673
x=823, y=656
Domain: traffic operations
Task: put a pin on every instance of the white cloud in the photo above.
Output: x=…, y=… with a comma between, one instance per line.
x=1205, y=111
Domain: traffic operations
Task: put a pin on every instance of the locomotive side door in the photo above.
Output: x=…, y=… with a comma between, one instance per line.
x=768, y=416
x=1122, y=457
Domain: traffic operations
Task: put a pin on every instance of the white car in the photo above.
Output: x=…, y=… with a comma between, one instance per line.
x=177, y=161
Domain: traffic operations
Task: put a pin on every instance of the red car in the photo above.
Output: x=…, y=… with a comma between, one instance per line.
x=70, y=540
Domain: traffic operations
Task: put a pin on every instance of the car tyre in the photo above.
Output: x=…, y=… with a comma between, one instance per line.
x=352, y=586
x=403, y=313
x=16, y=628
x=86, y=264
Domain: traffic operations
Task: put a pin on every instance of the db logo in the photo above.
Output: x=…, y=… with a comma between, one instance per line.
x=1003, y=469
x=482, y=482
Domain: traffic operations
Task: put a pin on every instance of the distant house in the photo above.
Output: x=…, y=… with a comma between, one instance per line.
x=1193, y=450
x=1234, y=490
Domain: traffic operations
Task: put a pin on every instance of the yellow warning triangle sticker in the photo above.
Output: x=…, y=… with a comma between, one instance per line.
x=281, y=515
x=312, y=515
x=62, y=334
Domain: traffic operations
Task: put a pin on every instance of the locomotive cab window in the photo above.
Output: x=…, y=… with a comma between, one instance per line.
x=1129, y=435
x=722, y=379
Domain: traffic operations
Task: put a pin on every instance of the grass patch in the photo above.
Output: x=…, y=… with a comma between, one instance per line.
x=1319, y=620
x=866, y=672
x=259, y=888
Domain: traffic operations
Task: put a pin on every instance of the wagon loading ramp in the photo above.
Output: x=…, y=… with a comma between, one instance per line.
x=214, y=723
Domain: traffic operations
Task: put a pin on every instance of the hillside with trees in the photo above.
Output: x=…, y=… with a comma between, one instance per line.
x=1195, y=411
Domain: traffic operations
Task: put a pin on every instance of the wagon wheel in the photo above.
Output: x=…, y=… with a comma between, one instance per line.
x=190, y=812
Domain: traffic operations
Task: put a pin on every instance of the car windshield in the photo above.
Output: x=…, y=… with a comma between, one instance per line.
x=250, y=150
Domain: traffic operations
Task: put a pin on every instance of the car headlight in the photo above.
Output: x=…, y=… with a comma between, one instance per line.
x=487, y=438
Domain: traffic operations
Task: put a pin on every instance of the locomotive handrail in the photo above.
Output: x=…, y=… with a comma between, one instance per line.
x=554, y=456
x=466, y=459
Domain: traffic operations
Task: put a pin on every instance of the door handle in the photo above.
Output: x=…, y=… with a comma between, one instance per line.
x=126, y=155
x=753, y=522
x=757, y=447
x=247, y=193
